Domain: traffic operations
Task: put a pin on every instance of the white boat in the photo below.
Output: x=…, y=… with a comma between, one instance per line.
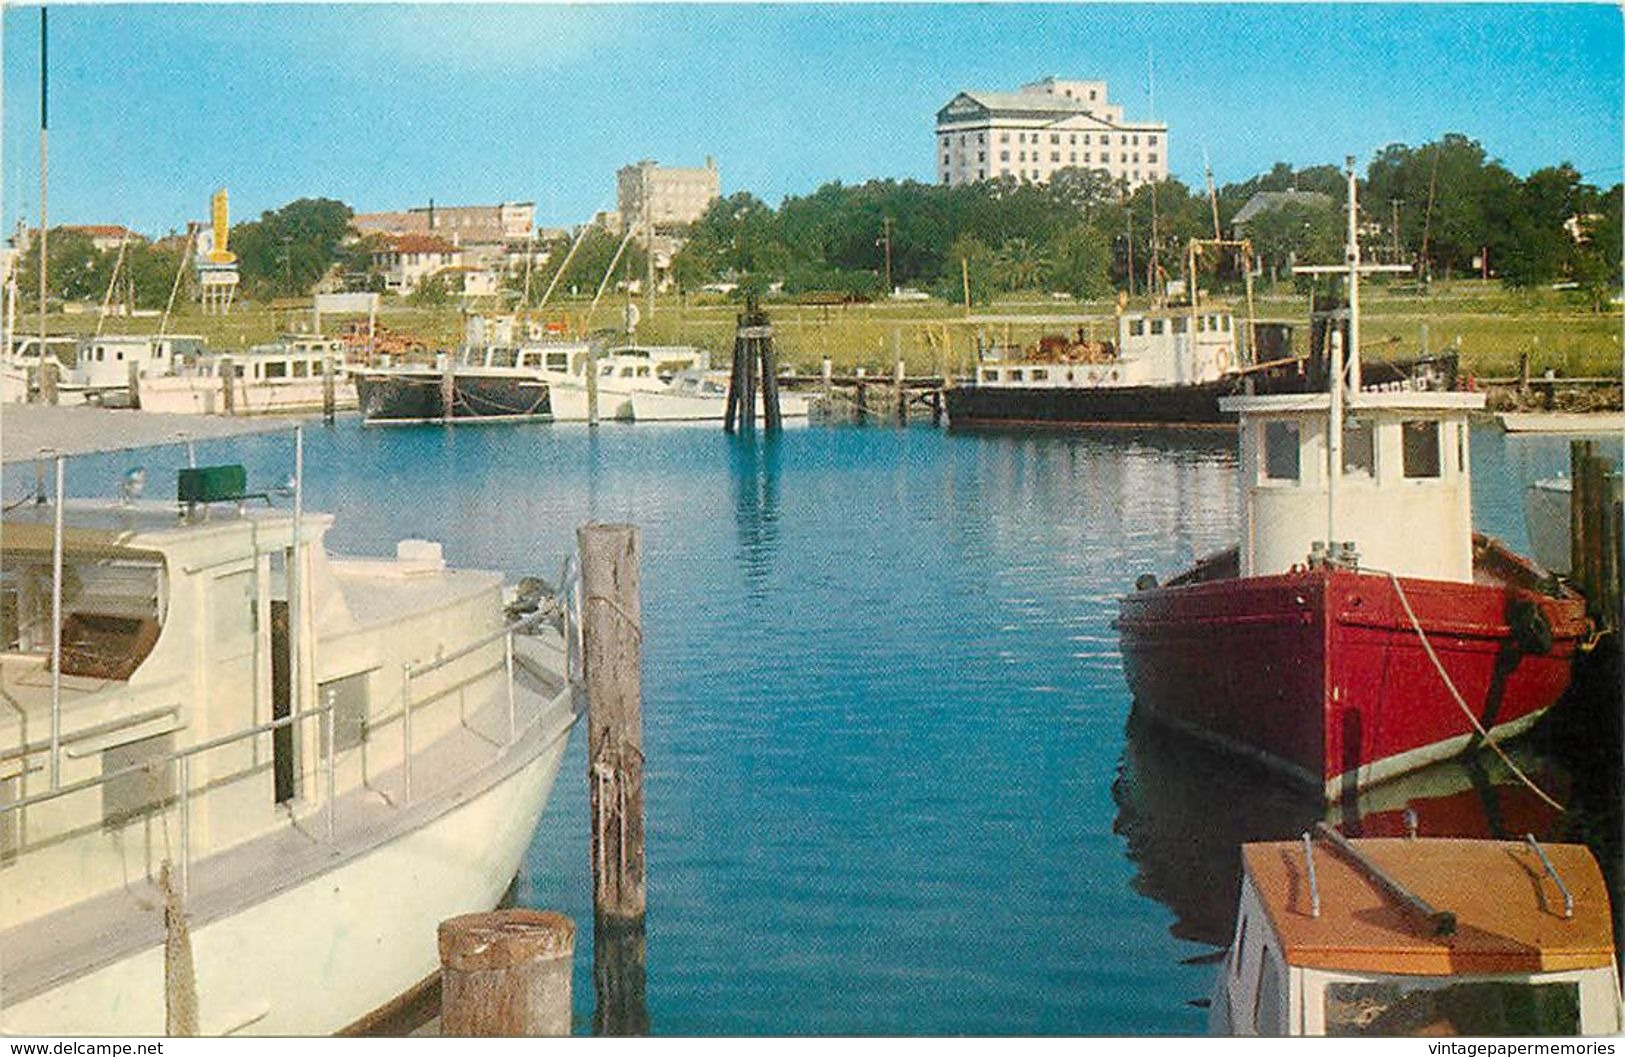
x=103, y=364
x=310, y=761
x=628, y=376
x=1547, y=506
x=284, y=377
x=20, y=368
x=702, y=396
x=1380, y=936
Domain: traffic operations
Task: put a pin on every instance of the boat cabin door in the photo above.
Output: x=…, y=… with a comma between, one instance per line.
x=282, y=740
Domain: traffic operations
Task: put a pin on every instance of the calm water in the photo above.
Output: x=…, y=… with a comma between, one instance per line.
x=891, y=783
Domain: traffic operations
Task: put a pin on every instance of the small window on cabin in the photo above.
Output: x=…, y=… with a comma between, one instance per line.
x=301, y=369
x=1179, y=326
x=276, y=370
x=1136, y=328
x=101, y=354
x=1156, y=327
x=558, y=361
x=1040, y=375
x=643, y=372
x=1479, y=1008
x=991, y=374
x=143, y=789
x=1015, y=375
x=1359, y=451
x=119, y=355
x=1267, y=1004
x=349, y=698
x=1201, y=324
x=1281, y=451
x=1420, y=444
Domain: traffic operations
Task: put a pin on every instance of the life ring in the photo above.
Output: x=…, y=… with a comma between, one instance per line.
x=1531, y=628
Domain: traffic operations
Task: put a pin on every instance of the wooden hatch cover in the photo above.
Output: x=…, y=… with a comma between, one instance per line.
x=1508, y=911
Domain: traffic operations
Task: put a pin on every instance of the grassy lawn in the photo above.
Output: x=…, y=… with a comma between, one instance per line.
x=1491, y=326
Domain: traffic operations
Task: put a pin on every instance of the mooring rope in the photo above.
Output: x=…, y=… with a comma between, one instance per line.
x=1461, y=702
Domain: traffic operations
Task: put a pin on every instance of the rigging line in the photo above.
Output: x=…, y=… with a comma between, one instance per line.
x=1460, y=701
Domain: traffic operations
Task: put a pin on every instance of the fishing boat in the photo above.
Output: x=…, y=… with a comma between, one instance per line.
x=104, y=364
x=622, y=375
x=1381, y=937
x=283, y=377
x=489, y=384
x=241, y=779
x=1360, y=629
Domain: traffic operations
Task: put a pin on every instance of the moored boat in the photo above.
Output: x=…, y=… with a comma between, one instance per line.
x=287, y=376
x=241, y=780
x=1360, y=629
x=1381, y=937
x=491, y=383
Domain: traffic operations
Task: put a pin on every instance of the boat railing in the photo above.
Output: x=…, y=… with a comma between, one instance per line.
x=181, y=759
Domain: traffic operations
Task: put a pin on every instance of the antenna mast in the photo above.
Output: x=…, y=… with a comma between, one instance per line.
x=44, y=127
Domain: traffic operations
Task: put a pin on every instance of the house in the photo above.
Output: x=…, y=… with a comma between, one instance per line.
x=407, y=259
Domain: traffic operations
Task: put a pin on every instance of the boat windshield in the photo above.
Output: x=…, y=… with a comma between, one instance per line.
x=1436, y=1007
x=111, y=611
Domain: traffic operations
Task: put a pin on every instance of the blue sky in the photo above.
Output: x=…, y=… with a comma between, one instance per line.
x=385, y=106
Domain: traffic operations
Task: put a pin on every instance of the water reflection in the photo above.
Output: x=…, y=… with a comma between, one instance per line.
x=755, y=465
x=1184, y=811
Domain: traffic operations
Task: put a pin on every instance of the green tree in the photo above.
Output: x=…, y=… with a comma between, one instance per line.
x=1082, y=258
x=77, y=270
x=287, y=251
x=432, y=291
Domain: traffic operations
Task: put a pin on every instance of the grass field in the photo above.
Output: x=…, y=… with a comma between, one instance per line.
x=1491, y=326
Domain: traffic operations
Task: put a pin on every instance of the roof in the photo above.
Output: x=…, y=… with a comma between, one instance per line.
x=104, y=231
x=1509, y=919
x=422, y=244
x=1265, y=201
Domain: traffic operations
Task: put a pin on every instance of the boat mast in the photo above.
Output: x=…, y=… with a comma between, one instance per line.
x=44, y=126
x=1334, y=435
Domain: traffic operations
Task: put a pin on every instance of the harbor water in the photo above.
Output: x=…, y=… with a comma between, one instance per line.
x=892, y=785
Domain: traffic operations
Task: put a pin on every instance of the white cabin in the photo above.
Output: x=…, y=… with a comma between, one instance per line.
x=1323, y=947
x=1161, y=349
x=105, y=362
x=1404, y=497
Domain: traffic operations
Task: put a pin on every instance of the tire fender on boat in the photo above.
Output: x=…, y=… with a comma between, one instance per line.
x=1531, y=627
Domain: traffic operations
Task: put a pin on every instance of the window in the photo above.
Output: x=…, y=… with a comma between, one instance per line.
x=1004, y=155
x=981, y=156
x=1267, y=1007
x=1136, y=157
x=991, y=374
x=1055, y=156
x=1136, y=141
x=1104, y=139
x=1281, y=451
x=945, y=161
x=1152, y=158
x=1086, y=139
x=1136, y=328
x=1004, y=137
x=1157, y=326
x=1015, y=375
x=1359, y=452
x=1021, y=137
x=1023, y=156
x=1481, y=1007
x=1420, y=444
x=980, y=138
x=276, y=370
x=1087, y=157
x=1040, y=374
x=1151, y=140
x=1072, y=139
x=301, y=369
x=1055, y=137
x=1179, y=325
x=1074, y=158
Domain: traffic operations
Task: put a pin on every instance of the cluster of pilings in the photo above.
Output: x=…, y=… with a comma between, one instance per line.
x=755, y=368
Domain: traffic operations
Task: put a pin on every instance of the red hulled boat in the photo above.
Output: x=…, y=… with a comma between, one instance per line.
x=1361, y=629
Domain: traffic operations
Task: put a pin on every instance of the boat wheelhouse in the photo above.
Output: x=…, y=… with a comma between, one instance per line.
x=1381, y=937
x=287, y=376
x=244, y=778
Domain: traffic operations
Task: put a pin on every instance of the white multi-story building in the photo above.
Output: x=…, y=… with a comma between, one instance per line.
x=1044, y=127
x=676, y=197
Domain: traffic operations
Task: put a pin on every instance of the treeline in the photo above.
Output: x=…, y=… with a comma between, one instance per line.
x=1443, y=207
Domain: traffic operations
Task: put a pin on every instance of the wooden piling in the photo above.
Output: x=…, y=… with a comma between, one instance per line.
x=506, y=973
x=620, y=978
x=1523, y=375
x=861, y=406
x=448, y=388
x=134, y=375
x=329, y=394
x=1594, y=534
x=897, y=383
x=50, y=375
x=827, y=373
x=936, y=407
x=228, y=386
x=613, y=664
x=592, y=382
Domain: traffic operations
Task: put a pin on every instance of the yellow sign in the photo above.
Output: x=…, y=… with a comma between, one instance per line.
x=219, y=254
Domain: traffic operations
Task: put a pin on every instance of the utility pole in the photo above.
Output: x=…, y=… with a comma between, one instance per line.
x=1393, y=204
x=649, y=240
x=1128, y=241
x=886, y=240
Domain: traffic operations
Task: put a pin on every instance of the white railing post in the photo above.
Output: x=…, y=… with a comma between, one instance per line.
x=56, y=619
x=186, y=824
x=406, y=732
x=507, y=663
x=332, y=763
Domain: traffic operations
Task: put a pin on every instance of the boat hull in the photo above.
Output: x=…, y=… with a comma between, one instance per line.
x=405, y=397
x=980, y=407
x=1320, y=673
x=335, y=947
